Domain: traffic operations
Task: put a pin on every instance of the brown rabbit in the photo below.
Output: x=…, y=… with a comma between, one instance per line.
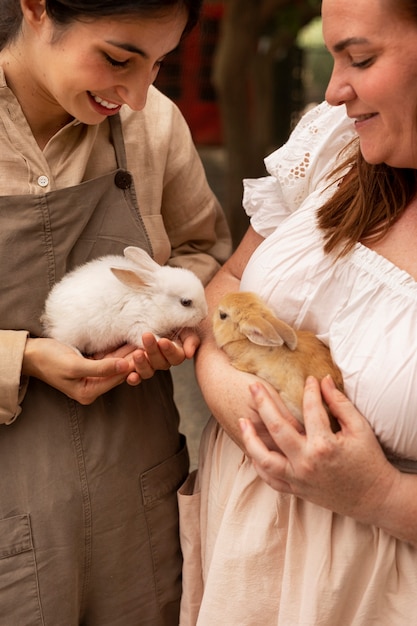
x=256, y=341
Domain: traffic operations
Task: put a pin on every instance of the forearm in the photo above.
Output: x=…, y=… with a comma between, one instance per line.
x=226, y=391
x=393, y=505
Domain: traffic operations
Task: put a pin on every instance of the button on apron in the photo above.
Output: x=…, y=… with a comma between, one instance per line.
x=123, y=180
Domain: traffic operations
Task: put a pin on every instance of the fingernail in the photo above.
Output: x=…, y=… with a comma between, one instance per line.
x=254, y=389
x=330, y=381
x=121, y=366
x=243, y=425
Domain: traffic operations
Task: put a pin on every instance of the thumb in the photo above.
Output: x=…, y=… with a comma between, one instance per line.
x=103, y=368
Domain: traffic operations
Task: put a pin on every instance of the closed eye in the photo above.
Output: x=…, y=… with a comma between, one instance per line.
x=363, y=64
x=115, y=63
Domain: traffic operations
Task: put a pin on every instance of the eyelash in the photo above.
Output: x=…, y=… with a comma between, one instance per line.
x=362, y=64
x=115, y=63
x=123, y=64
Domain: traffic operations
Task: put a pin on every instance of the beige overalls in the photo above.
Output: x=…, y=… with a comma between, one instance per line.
x=88, y=509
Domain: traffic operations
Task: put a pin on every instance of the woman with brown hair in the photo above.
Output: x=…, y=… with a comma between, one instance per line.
x=286, y=525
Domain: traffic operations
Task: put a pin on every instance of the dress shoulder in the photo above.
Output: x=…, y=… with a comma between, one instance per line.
x=299, y=167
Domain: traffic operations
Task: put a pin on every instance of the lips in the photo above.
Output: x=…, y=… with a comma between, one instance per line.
x=362, y=118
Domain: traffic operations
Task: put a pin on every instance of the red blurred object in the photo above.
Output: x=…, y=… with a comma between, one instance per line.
x=185, y=77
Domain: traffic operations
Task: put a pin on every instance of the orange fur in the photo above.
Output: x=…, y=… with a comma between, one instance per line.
x=258, y=342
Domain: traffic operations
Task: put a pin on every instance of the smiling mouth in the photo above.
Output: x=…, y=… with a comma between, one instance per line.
x=363, y=118
x=104, y=103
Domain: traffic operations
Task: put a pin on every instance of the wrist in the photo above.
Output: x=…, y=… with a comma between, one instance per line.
x=30, y=357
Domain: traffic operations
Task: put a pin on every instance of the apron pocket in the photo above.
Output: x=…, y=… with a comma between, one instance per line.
x=189, y=502
x=159, y=487
x=19, y=593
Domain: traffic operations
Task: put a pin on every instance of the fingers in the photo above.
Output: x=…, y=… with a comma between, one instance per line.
x=270, y=465
x=103, y=368
x=342, y=408
x=316, y=418
x=172, y=353
x=274, y=414
x=156, y=355
x=90, y=378
x=119, y=351
x=191, y=341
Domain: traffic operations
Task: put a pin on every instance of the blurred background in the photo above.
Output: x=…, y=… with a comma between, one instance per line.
x=242, y=79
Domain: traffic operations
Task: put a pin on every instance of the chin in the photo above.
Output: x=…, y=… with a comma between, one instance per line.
x=372, y=159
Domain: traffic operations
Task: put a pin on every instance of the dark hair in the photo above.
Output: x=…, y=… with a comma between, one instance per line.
x=63, y=12
x=370, y=198
x=405, y=8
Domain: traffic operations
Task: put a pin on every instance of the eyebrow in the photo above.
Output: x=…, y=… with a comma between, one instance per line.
x=128, y=47
x=131, y=48
x=350, y=41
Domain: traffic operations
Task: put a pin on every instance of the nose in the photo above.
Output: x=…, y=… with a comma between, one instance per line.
x=339, y=90
x=134, y=91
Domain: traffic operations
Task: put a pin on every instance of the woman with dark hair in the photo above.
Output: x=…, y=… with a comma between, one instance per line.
x=93, y=159
x=301, y=525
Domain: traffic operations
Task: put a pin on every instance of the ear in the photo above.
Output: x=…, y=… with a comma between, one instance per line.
x=34, y=11
x=129, y=277
x=269, y=332
x=141, y=258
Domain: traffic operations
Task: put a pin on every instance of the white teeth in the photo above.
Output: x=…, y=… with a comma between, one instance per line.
x=365, y=117
x=104, y=103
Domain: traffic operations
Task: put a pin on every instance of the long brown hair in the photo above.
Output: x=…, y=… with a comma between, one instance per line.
x=370, y=198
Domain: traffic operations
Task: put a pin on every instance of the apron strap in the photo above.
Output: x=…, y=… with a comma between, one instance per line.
x=116, y=134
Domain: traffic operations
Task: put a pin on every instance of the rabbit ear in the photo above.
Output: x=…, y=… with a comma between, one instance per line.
x=141, y=258
x=129, y=277
x=269, y=332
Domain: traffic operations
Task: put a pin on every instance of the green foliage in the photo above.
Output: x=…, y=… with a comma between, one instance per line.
x=311, y=35
x=292, y=16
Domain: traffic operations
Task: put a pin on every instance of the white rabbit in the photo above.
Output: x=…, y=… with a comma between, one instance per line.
x=115, y=299
x=258, y=342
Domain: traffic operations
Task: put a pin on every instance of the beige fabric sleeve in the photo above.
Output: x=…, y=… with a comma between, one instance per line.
x=12, y=385
x=193, y=218
x=183, y=217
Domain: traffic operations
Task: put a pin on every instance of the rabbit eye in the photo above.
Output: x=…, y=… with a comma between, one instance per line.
x=222, y=315
x=186, y=302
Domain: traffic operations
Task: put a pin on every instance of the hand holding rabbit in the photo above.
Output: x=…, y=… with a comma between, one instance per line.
x=79, y=378
x=315, y=465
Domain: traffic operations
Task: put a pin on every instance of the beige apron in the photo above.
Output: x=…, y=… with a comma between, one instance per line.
x=88, y=511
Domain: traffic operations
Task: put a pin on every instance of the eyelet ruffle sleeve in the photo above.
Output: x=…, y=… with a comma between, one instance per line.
x=300, y=166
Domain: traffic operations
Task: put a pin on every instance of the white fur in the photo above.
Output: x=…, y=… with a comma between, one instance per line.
x=115, y=299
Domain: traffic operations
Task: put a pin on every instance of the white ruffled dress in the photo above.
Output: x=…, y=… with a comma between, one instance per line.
x=269, y=559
